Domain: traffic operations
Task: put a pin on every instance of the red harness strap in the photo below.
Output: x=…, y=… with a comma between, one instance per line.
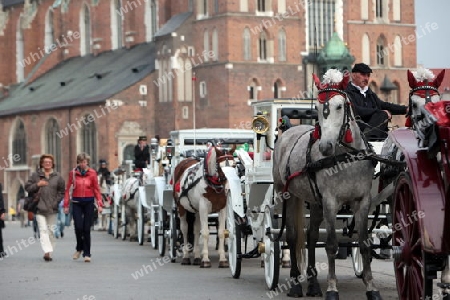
x=288, y=181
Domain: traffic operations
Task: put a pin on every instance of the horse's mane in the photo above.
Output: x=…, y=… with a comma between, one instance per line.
x=210, y=160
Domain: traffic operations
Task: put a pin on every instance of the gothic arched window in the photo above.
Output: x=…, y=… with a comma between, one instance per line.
x=85, y=26
x=19, y=144
x=53, y=142
x=247, y=44
x=88, y=138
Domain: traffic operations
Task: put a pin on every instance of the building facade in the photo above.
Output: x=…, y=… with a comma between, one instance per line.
x=93, y=75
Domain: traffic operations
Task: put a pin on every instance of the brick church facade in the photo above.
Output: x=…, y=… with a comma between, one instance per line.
x=93, y=75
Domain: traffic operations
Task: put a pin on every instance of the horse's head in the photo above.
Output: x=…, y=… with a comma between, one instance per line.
x=424, y=88
x=334, y=111
x=215, y=159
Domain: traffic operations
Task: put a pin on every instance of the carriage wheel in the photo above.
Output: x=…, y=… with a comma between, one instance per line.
x=161, y=231
x=173, y=235
x=116, y=221
x=234, y=240
x=357, y=262
x=271, y=254
x=140, y=223
x=154, y=228
x=409, y=265
x=123, y=233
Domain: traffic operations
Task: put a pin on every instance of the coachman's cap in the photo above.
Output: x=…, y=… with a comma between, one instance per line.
x=142, y=138
x=361, y=68
x=102, y=161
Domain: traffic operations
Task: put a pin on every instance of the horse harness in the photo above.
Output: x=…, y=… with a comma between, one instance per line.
x=311, y=168
x=424, y=91
x=212, y=181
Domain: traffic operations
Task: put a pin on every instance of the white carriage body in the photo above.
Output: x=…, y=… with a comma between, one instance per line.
x=258, y=170
x=195, y=140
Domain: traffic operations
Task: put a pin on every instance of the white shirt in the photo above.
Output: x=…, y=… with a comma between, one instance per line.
x=363, y=91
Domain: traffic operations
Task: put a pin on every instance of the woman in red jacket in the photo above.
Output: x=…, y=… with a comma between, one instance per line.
x=83, y=184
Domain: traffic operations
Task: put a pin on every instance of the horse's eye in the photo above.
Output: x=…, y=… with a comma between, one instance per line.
x=339, y=107
x=414, y=105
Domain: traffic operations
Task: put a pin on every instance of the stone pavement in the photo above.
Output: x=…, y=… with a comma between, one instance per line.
x=125, y=270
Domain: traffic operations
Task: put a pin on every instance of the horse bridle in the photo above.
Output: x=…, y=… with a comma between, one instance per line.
x=216, y=182
x=326, y=109
x=427, y=89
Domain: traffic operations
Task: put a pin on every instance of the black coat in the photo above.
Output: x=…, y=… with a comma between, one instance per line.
x=2, y=208
x=141, y=157
x=106, y=175
x=367, y=106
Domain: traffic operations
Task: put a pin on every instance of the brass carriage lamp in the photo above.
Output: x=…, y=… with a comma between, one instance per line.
x=260, y=125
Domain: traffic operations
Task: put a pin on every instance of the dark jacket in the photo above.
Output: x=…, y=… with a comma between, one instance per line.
x=141, y=157
x=2, y=210
x=105, y=174
x=50, y=195
x=367, y=106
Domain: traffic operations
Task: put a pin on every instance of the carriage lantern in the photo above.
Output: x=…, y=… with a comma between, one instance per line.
x=260, y=124
x=170, y=148
x=153, y=144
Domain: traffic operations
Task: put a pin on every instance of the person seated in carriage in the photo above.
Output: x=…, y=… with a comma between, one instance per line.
x=105, y=173
x=374, y=112
x=141, y=153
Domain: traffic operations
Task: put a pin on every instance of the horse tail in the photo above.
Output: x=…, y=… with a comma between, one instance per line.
x=299, y=222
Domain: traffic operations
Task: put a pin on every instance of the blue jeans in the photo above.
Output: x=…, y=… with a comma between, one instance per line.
x=60, y=222
x=83, y=214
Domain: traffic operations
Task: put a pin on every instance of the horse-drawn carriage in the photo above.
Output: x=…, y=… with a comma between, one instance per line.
x=421, y=199
x=132, y=204
x=255, y=209
x=331, y=165
x=185, y=144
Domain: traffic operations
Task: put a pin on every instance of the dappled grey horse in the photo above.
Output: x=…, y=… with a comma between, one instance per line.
x=303, y=158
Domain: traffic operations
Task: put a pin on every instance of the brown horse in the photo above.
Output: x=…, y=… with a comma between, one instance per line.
x=199, y=188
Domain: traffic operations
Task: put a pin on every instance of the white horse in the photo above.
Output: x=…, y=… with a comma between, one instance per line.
x=412, y=269
x=302, y=157
x=130, y=197
x=424, y=89
x=200, y=189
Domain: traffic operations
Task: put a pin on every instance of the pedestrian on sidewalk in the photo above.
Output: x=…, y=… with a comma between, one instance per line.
x=22, y=213
x=104, y=179
x=50, y=186
x=61, y=220
x=83, y=189
x=2, y=221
